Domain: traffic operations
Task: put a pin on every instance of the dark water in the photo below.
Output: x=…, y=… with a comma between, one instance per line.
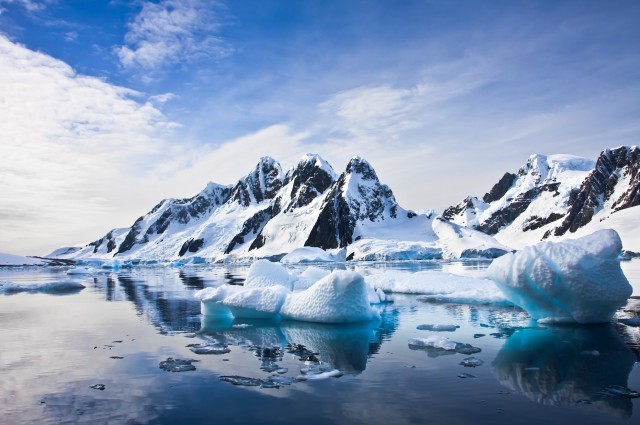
x=116, y=332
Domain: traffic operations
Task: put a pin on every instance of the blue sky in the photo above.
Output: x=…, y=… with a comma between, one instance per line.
x=109, y=106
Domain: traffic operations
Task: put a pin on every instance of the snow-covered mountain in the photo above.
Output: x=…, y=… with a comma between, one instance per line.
x=558, y=196
x=269, y=213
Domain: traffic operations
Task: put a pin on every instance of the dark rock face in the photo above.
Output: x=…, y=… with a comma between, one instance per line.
x=130, y=239
x=191, y=245
x=598, y=187
x=308, y=182
x=345, y=205
x=252, y=226
x=500, y=188
x=109, y=238
x=261, y=184
x=466, y=204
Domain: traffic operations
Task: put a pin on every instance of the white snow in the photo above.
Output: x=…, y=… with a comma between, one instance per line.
x=570, y=281
x=439, y=286
x=264, y=273
x=17, y=260
x=310, y=276
x=307, y=254
x=255, y=303
x=341, y=297
x=462, y=242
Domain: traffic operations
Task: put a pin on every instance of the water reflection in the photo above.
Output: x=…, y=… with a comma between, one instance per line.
x=346, y=347
x=567, y=366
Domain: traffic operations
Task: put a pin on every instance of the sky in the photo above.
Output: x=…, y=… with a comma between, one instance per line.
x=107, y=107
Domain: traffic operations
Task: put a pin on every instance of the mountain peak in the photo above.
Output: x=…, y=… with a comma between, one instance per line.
x=262, y=183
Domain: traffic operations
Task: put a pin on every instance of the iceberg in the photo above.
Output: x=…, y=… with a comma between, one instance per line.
x=574, y=281
x=341, y=297
x=256, y=303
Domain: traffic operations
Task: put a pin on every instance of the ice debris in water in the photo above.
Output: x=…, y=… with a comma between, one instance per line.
x=282, y=380
x=100, y=387
x=570, y=281
x=177, y=365
x=80, y=270
x=442, y=343
x=465, y=375
x=471, y=362
x=52, y=288
x=209, y=348
x=437, y=328
x=316, y=372
x=241, y=326
x=242, y=381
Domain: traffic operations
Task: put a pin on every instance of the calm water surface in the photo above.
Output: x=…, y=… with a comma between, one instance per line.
x=115, y=332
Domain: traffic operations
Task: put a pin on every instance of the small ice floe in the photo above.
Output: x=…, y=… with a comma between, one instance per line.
x=80, y=270
x=242, y=381
x=619, y=391
x=51, y=288
x=209, y=348
x=177, y=365
x=465, y=375
x=471, y=362
x=241, y=326
x=573, y=281
x=282, y=380
x=442, y=343
x=437, y=328
x=100, y=387
x=317, y=372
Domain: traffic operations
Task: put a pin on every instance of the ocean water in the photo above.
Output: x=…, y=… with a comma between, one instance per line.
x=94, y=356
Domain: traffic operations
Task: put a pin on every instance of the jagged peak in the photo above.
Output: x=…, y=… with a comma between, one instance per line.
x=317, y=161
x=359, y=165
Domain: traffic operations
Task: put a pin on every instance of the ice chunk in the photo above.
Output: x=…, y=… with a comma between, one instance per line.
x=634, y=321
x=264, y=273
x=310, y=254
x=242, y=381
x=440, y=286
x=52, y=288
x=80, y=270
x=570, y=281
x=437, y=328
x=255, y=303
x=209, y=348
x=340, y=297
x=471, y=362
x=177, y=365
x=442, y=343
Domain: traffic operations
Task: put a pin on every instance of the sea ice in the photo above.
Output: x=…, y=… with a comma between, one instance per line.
x=211, y=298
x=80, y=270
x=570, y=281
x=242, y=381
x=264, y=273
x=52, y=288
x=310, y=276
x=310, y=254
x=209, y=348
x=440, y=286
x=341, y=297
x=471, y=362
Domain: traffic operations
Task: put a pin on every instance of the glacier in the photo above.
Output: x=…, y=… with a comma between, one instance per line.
x=575, y=281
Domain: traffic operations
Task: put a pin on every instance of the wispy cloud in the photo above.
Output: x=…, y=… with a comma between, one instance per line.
x=172, y=32
x=29, y=5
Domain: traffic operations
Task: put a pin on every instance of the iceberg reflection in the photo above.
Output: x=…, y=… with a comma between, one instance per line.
x=570, y=365
x=346, y=347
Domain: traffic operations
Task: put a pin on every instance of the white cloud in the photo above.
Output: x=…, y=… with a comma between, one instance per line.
x=69, y=144
x=170, y=32
x=30, y=5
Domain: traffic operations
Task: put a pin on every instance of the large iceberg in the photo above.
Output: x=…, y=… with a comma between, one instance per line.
x=576, y=280
x=314, y=296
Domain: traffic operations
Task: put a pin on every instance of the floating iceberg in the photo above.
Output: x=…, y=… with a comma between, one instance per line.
x=341, y=297
x=570, y=281
x=440, y=286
